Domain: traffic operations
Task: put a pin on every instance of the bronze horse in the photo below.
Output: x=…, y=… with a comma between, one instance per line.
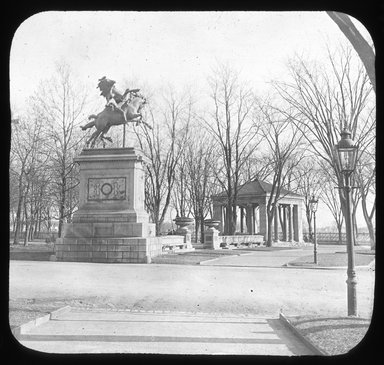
x=110, y=116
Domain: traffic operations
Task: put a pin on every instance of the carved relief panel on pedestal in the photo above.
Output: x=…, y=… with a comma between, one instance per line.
x=112, y=188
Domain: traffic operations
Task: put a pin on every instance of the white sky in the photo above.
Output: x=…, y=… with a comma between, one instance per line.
x=162, y=47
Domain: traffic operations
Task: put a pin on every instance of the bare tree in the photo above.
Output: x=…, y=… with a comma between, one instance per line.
x=329, y=196
x=323, y=102
x=361, y=46
x=61, y=102
x=283, y=148
x=232, y=125
x=308, y=185
x=163, y=145
x=200, y=177
x=26, y=164
x=365, y=177
x=180, y=195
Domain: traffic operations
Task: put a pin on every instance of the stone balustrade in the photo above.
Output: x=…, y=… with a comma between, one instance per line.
x=241, y=240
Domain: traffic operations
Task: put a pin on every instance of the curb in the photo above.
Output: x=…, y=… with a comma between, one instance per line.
x=370, y=266
x=303, y=339
x=217, y=258
x=18, y=331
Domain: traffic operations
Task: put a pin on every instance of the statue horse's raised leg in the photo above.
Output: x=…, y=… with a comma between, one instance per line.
x=91, y=123
x=93, y=138
x=103, y=137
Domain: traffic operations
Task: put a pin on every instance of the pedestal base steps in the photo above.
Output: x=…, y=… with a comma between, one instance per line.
x=108, y=250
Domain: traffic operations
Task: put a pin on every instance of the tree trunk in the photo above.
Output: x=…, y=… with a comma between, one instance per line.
x=339, y=229
x=31, y=224
x=27, y=227
x=13, y=222
x=234, y=219
x=62, y=207
x=18, y=221
x=201, y=229
x=310, y=232
x=372, y=237
x=368, y=222
x=269, y=229
x=229, y=220
x=354, y=225
x=39, y=225
x=31, y=232
x=26, y=232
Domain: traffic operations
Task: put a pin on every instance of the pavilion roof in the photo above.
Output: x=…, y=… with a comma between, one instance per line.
x=258, y=188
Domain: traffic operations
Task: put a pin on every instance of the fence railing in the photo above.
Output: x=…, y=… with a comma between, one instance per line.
x=333, y=237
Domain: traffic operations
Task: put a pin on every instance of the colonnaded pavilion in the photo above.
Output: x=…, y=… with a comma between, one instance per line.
x=252, y=212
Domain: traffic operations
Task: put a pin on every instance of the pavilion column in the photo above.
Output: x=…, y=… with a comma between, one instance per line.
x=290, y=222
x=276, y=223
x=297, y=223
x=249, y=218
x=218, y=215
x=256, y=221
x=241, y=219
x=263, y=220
x=284, y=223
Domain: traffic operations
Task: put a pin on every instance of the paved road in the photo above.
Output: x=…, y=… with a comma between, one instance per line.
x=233, y=304
x=210, y=289
x=79, y=331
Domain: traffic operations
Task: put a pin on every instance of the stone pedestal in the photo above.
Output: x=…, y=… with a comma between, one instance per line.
x=111, y=224
x=211, y=235
x=183, y=230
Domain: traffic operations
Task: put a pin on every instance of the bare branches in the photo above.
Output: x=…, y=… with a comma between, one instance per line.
x=364, y=50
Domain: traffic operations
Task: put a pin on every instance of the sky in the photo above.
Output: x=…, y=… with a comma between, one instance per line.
x=158, y=48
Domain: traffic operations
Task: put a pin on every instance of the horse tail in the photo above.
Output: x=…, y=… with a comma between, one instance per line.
x=92, y=116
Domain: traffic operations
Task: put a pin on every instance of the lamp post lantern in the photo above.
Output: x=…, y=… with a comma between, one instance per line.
x=346, y=156
x=313, y=204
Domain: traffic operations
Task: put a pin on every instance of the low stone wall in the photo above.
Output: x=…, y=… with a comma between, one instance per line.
x=171, y=241
x=241, y=239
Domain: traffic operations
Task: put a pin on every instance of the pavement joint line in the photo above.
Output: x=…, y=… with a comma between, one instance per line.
x=138, y=338
x=175, y=313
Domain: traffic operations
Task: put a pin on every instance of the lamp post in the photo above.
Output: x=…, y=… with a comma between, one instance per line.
x=313, y=204
x=346, y=155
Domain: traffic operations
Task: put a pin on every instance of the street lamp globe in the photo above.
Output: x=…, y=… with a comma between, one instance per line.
x=313, y=204
x=346, y=153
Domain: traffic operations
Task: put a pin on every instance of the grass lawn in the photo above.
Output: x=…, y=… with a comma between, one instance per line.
x=332, y=335
x=335, y=259
x=193, y=257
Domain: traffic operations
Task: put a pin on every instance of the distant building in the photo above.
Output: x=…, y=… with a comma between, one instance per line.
x=252, y=198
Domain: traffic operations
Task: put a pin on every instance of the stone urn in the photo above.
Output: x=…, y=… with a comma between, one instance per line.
x=212, y=223
x=183, y=223
x=183, y=230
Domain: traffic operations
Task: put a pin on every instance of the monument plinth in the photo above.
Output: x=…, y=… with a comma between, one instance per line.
x=111, y=224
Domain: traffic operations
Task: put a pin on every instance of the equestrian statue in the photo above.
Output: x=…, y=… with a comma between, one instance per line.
x=121, y=108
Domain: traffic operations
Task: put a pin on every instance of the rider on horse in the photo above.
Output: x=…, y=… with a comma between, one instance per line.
x=115, y=98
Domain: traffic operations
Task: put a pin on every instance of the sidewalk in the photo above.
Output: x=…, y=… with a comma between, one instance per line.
x=269, y=259
x=98, y=331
